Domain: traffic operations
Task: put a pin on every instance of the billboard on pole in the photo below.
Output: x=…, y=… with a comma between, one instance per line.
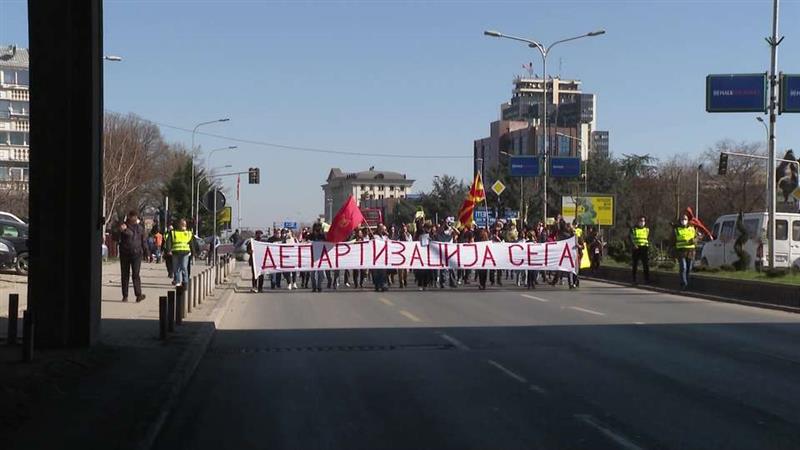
x=743, y=92
x=588, y=209
x=790, y=93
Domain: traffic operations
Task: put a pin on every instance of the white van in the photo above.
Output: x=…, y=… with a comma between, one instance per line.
x=787, y=240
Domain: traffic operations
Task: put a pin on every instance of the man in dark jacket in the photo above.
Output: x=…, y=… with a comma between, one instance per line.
x=132, y=248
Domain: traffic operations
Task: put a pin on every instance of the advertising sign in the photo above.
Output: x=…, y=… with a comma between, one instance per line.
x=290, y=225
x=790, y=93
x=565, y=167
x=592, y=209
x=736, y=92
x=524, y=166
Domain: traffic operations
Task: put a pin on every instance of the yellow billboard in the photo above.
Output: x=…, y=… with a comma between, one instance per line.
x=225, y=215
x=592, y=209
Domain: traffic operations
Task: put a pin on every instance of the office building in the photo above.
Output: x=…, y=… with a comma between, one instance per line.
x=371, y=188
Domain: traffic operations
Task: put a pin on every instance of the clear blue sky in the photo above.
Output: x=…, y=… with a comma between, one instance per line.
x=419, y=78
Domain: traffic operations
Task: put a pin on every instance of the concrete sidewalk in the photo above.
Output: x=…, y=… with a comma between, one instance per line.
x=116, y=394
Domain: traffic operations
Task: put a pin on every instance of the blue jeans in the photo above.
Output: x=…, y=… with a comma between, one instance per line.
x=180, y=268
x=684, y=268
x=317, y=277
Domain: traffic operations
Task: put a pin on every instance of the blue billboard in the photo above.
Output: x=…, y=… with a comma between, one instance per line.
x=745, y=92
x=565, y=167
x=524, y=166
x=790, y=93
x=480, y=215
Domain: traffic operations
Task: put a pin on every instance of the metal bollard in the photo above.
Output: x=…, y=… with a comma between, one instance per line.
x=180, y=301
x=162, y=317
x=27, y=336
x=170, y=311
x=13, y=317
x=189, y=289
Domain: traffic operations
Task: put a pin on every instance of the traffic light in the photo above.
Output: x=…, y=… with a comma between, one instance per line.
x=723, y=164
x=253, y=175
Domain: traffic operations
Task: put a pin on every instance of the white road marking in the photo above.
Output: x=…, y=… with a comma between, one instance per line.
x=513, y=375
x=588, y=311
x=533, y=297
x=537, y=389
x=638, y=323
x=456, y=343
x=619, y=439
x=410, y=316
x=386, y=301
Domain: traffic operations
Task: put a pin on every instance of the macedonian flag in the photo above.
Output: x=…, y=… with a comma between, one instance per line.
x=475, y=196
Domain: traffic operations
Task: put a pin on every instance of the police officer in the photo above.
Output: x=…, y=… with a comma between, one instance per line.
x=684, y=238
x=640, y=238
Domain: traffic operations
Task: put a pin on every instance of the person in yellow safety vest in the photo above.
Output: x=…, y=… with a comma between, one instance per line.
x=640, y=239
x=684, y=237
x=179, y=246
x=585, y=261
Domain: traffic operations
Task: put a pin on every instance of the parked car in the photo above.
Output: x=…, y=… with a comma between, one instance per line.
x=8, y=256
x=17, y=234
x=787, y=240
x=11, y=217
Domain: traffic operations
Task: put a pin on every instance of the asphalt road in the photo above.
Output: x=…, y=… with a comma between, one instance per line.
x=600, y=367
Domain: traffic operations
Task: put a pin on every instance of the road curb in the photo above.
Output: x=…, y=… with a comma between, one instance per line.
x=186, y=367
x=689, y=293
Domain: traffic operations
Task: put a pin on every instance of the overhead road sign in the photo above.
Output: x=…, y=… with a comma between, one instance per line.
x=565, y=167
x=744, y=92
x=790, y=93
x=524, y=166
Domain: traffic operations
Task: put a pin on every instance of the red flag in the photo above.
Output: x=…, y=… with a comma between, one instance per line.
x=347, y=219
x=238, y=182
x=476, y=195
x=696, y=222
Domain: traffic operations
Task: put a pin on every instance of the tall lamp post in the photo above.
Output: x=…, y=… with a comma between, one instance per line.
x=544, y=51
x=766, y=130
x=192, y=203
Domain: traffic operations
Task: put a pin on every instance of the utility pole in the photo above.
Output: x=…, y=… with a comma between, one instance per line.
x=773, y=82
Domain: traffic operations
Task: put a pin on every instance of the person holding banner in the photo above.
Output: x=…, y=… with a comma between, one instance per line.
x=402, y=274
x=258, y=280
x=424, y=239
x=290, y=277
x=482, y=236
x=379, y=275
x=318, y=275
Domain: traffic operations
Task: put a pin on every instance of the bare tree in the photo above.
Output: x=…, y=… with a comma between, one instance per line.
x=131, y=153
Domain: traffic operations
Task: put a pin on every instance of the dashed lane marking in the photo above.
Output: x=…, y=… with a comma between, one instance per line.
x=618, y=438
x=458, y=344
x=386, y=301
x=587, y=311
x=410, y=316
x=508, y=372
x=533, y=297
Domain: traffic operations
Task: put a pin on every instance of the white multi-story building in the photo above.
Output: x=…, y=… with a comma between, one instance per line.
x=367, y=185
x=14, y=118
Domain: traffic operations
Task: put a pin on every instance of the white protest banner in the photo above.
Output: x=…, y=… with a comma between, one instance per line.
x=387, y=254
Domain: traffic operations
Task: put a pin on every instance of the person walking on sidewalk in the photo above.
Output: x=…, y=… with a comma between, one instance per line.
x=684, y=237
x=640, y=239
x=179, y=246
x=132, y=248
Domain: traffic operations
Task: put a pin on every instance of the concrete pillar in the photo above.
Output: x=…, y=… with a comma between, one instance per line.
x=66, y=83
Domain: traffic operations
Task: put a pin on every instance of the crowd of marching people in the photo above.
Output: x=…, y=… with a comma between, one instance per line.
x=425, y=232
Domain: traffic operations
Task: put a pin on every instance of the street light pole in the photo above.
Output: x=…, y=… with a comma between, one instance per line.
x=192, y=209
x=773, y=81
x=544, y=51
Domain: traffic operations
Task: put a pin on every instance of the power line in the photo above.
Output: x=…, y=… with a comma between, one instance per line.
x=303, y=149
